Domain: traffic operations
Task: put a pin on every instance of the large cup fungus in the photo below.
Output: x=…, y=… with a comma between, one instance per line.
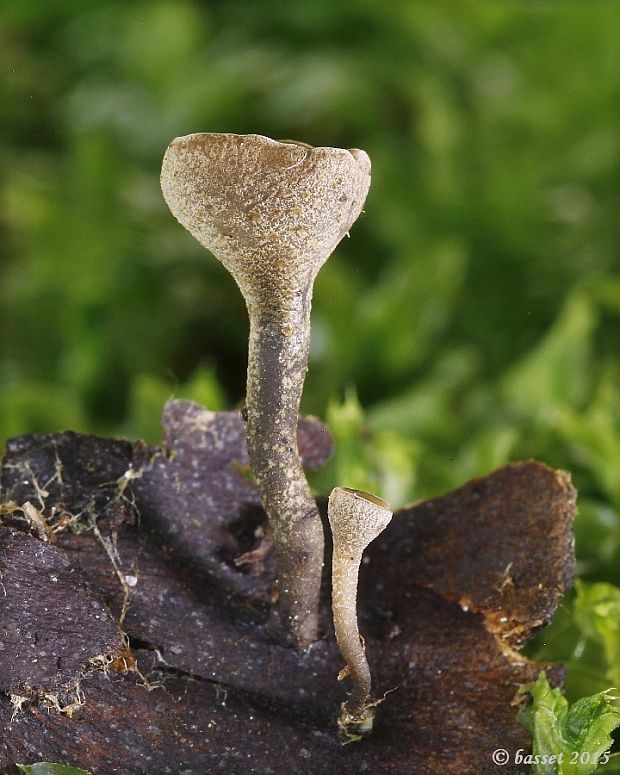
x=272, y=213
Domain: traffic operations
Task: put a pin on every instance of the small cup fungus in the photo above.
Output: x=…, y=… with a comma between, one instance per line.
x=356, y=519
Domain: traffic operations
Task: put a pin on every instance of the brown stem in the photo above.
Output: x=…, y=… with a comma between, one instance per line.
x=277, y=365
x=345, y=570
x=356, y=518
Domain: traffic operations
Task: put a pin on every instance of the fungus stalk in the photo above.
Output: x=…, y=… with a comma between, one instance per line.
x=277, y=364
x=356, y=518
x=272, y=213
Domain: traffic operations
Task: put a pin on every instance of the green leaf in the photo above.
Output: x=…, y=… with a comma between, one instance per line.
x=567, y=739
x=556, y=373
x=37, y=408
x=382, y=461
x=593, y=435
x=612, y=767
x=48, y=768
x=597, y=614
x=149, y=394
x=349, y=463
x=597, y=536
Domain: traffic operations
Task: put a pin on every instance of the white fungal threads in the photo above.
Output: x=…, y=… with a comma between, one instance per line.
x=356, y=518
x=272, y=213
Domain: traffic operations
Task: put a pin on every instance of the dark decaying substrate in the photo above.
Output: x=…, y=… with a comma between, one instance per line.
x=135, y=584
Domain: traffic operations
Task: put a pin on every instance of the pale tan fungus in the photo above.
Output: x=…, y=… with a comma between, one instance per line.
x=272, y=213
x=356, y=518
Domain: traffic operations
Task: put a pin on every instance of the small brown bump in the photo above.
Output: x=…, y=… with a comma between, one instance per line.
x=295, y=212
x=253, y=216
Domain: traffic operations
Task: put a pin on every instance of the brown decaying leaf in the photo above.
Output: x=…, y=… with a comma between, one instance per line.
x=145, y=545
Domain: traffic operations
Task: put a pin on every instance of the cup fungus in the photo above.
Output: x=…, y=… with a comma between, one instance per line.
x=356, y=518
x=272, y=213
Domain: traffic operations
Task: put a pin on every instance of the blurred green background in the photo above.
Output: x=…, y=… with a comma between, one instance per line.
x=472, y=318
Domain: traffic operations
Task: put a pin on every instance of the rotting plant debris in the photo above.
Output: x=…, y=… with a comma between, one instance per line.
x=222, y=691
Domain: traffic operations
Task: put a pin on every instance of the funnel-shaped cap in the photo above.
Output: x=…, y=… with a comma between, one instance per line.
x=271, y=212
x=356, y=517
